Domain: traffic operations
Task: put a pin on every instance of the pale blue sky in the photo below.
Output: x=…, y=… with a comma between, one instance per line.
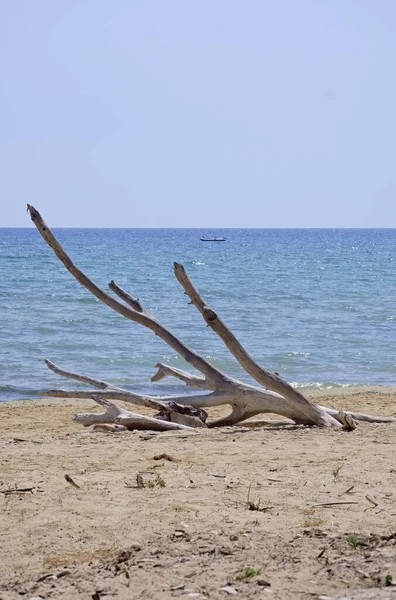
x=194, y=113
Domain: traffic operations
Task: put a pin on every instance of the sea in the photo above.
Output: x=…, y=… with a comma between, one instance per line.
x=318, y=306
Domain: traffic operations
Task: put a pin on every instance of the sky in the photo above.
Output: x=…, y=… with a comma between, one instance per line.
x=198, y=113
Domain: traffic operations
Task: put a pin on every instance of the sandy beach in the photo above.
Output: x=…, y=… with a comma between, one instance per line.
x=222, y=513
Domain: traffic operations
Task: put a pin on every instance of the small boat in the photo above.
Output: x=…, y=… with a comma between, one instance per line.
x=213, y=239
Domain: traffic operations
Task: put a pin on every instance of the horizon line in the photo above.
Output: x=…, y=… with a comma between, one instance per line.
x=201, y=228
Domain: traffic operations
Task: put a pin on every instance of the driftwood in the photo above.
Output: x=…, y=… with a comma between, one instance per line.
x=186, y=411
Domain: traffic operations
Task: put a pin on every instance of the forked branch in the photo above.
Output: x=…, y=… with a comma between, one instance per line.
x=133, y=314
x=264, y=377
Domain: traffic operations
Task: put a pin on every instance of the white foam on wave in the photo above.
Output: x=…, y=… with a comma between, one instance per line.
x=327, y=385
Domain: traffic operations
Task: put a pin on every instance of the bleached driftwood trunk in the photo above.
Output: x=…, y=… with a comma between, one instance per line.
x=186, y=411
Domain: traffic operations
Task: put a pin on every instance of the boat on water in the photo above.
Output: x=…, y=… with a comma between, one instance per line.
x=213, y=239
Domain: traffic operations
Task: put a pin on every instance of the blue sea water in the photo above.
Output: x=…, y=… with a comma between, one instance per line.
x=317, y=306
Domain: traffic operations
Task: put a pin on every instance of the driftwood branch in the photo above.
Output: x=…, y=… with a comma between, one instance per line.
x=178, y=412
x=177, y=409
x=98, y=383
x=194, y=381
x=357, y=416
x=138, y=316
x=128, y=299
x=266, y=378
x=160, y=403
x=115, y=414
x=169, y=406
x=110, y=391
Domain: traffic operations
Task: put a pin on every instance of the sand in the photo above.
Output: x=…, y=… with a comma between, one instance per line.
x=190, y=533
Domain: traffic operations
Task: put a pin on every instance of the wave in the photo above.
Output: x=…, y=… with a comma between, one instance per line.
x=13, y=392
x=324, y=385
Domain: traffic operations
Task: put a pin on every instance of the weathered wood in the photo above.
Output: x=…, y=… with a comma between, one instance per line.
x=195, y=381
x=157, y=403
x=245, y=400
x=187, y=415
x=237, y=415
x=131, y=300
x=192, y=357
x=115, y=414
x=361, y=416
x=262, y=376
x=98, y=383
